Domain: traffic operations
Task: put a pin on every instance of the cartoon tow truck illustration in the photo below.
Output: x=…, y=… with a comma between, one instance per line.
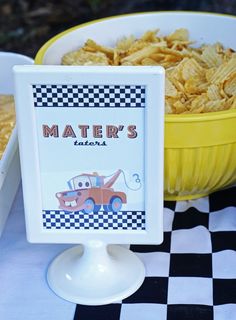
x=88, y=192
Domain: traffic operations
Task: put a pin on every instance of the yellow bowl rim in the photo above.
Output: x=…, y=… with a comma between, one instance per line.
x=208, y=116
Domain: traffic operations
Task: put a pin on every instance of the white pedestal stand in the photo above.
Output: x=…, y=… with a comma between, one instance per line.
x=96, y=274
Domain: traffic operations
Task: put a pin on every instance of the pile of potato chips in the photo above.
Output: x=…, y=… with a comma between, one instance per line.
x=198, y=80
x=7, y=120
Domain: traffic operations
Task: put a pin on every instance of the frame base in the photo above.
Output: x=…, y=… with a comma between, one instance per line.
x=96, y=274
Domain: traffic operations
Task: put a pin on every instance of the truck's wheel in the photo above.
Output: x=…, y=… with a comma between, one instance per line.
x=96, y=208
x=115, y=204
x=89, y=206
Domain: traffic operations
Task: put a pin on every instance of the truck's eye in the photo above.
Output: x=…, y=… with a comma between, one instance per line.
x=86, y=184
x=80, y=184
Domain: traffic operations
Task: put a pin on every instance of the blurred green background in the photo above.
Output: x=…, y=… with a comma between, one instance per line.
x=26, y=24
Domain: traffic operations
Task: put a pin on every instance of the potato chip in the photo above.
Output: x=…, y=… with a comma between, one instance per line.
x=175, y=73
x=216, y=105
x=211, y=57
x=150, y=36
x=179, y=35
x=179, y=86
x=213, y=92
x=195, y=85
x=149, y=62
x=191, y=68
x=209, y=74
x=199, y=101
x=125, y=43
x=230, y=85
x=224, y=71
x=168, y=108
x=179, y=107
x=82, y=57
x=229, y=54
x=170, y=89
x=92, y=46
x=173, y=52
x=232, y=103
x=198, y=110
x=138, y=55
x=158, y=57
x=195, y=55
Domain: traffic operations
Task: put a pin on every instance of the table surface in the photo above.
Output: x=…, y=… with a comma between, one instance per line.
x=191, y=275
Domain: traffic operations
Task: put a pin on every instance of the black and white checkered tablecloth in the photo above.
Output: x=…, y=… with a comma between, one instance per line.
x=191, y=276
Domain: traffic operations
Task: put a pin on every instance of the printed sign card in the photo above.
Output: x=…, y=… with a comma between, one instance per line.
x=91, y=146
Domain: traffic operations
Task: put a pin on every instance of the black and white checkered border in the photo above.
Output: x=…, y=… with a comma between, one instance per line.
x=89, y=96
x=102, y=220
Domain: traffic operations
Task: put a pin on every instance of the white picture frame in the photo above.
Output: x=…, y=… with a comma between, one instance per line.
x=34, y=111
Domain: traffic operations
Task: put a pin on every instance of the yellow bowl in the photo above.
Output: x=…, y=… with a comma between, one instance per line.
x=200, y=154
x=200, y=149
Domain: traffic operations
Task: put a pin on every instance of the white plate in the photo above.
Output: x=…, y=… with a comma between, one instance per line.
x=9, y=163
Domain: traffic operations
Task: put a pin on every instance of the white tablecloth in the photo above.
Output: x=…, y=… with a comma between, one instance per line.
x=24, y=293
